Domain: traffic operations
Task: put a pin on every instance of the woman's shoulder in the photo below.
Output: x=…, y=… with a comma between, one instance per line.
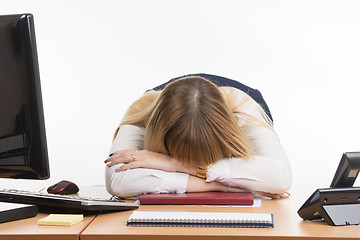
x=144, y=101
x=237, y=100
x=151, y=95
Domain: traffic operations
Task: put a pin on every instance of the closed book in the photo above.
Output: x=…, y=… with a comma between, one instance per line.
x=199, y=198
x=200, y=219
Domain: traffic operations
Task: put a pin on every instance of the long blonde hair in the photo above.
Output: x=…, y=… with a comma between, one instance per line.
x=190, y=121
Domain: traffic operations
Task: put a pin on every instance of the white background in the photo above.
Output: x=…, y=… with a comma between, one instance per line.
x=96, y=57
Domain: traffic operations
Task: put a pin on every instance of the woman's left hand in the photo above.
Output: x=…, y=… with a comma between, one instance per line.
x=142, y=159
x=272, y=195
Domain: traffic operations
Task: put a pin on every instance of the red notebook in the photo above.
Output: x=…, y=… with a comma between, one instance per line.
x=199, y=198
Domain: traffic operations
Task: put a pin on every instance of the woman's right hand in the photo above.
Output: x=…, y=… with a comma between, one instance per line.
x=132, y=158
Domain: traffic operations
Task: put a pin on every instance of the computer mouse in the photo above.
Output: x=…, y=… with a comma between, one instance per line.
x=64, y=188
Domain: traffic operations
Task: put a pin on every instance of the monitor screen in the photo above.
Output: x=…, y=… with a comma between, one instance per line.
x=23, y=148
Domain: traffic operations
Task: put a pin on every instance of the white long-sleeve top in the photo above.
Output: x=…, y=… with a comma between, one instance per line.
x=268, y=171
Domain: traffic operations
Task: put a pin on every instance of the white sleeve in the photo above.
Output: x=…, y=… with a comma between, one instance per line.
x=134, y=182
x=268, y=171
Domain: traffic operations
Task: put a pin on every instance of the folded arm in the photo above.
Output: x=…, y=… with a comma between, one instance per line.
x=268, y=171
x=149, y=172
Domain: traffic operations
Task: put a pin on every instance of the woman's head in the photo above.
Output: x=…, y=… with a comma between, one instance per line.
x=191, y=122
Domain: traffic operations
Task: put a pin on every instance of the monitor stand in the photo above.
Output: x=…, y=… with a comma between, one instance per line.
x=16, y=211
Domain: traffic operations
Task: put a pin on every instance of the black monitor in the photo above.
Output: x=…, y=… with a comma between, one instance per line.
x=23, y=148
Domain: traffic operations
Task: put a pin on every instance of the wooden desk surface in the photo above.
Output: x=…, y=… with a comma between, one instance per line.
x=288, y=225
x=27, y=229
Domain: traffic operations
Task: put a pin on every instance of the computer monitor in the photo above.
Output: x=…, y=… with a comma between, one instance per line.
x=23, y=148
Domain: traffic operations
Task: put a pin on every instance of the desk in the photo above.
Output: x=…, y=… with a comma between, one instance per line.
x=109, y=226
x=288, y=225
x=27, y=229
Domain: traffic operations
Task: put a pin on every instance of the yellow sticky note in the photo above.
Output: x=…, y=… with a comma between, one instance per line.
x=61, y=219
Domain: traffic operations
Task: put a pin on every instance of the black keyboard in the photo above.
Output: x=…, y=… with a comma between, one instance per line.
x=73, y=203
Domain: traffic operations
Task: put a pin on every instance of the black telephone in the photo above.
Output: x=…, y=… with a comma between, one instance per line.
x=340, y=204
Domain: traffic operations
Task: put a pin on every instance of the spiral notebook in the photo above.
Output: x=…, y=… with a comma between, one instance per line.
x=200, y=219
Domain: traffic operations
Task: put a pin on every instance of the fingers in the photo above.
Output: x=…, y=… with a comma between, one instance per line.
x=127, y=166
x=269, y=195
x=110, y=161
x=273, y=195
x=284, y=195
x=124, y=156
